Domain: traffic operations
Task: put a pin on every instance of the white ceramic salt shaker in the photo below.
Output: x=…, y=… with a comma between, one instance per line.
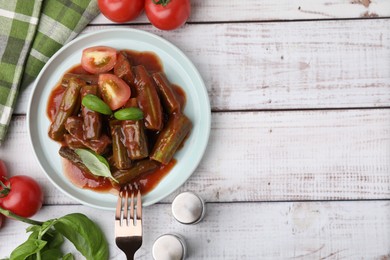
x=188, y=208
x=169, y=247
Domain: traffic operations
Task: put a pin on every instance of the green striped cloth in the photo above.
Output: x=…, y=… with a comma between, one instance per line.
x=31, y=31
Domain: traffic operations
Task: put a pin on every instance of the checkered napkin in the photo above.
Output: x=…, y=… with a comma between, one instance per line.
x=31, y=31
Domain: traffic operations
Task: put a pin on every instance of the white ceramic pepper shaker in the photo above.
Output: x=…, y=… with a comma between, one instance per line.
x=169, y=247
x=188, y=208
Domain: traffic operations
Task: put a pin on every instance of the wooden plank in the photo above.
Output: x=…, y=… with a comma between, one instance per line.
x=266, y=10
x=321, y=230
x=269, y=156
x=327, y=64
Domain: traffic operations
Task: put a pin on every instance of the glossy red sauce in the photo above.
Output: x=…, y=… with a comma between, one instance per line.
x=149, y=181
x=181, y=95
x=57, y=93
x=85, y=180
x=54, y=101
x=150, y=60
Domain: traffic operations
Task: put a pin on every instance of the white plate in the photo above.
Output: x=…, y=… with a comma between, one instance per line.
x=178, y=69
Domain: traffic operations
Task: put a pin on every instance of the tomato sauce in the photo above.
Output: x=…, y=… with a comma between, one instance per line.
x=54, y=101
x=149, y=60
x=181, y=95
x=147, y=182
x=85, y=180
x=56, y=94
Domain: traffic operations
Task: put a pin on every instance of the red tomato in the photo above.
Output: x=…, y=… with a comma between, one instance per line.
x=168, y=14
x=115, y=92
x=3, y=170
x=121, y=10
x=98, y=59
x=24, y=198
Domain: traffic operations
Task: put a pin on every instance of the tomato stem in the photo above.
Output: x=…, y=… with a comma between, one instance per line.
x=5, y=190
x=161, y=2
x=14, y=216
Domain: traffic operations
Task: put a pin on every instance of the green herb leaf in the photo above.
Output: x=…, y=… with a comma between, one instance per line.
x=54, y=238
x=129, y=113
x=47, y=237
x=95, y=163
x=46, y=226
x=53, y=253
x=94, y=103
x=33, y=228
x=34, y=235
x=68, y=257
x=28, y=248
x=102, y=159
x=85, y=235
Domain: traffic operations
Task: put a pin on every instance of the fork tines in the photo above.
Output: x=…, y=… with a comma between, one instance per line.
x=127, y=217
x=128, y=226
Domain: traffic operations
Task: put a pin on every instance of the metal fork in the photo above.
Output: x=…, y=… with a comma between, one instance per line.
x=128, y=228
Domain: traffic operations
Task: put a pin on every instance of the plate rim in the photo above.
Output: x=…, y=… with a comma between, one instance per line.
x=203, y=92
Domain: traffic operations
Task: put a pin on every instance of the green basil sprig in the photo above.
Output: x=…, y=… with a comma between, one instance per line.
x=84, y=234
x=129, y=113
x=46, y=238
x=95, y=163
x=94, y=103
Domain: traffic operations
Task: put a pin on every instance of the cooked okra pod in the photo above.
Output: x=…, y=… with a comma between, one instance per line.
x=92, y=121
x=69, y=105
x=73, y=157
x=119, y=152
x=73, y=142
x=74, y=126
x=90, y=79
x=132, y=102
x=167, y=94
x=148, y=100
x=139, y=168
x=135, y=139
x=123, y=69
x=171, y=137
x=76, y=139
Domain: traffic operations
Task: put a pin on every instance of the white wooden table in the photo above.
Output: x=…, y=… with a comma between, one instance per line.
x=298, y=163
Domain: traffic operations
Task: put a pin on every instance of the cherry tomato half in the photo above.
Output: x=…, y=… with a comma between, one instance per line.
x=98, y=59
x=168, y=14
x=115, y=92
x=121, y=10
x=3, y=171
x=25, y=196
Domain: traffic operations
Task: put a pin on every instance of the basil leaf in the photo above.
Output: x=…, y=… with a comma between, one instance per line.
x=46, y=226
x=95, y=163
x=85, y=235
x=129, y=113
x=68, y=257
x=34, y=235
x=55, y=239
x=33, y=228
x=51, y=254
x=94, y=103
x=28, y=248
x=102, y=159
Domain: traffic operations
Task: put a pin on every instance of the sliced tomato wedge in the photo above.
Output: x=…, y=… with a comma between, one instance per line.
x=98, y=59
x=115, y=92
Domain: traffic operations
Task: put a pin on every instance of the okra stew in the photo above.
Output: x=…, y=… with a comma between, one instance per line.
x=118, y=119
